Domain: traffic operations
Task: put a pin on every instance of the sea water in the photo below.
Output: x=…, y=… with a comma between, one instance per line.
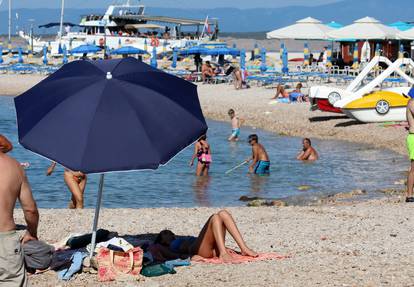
x=342, y=167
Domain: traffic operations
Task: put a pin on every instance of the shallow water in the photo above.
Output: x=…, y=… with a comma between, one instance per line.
x=342, y=167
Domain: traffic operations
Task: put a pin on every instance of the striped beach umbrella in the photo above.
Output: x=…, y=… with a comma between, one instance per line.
x=49, y=47
x=154, y=57
x=285, y=61
x=175, y=56
x=401, y=52
x=65, y=56
x=282, y=48
x=263, y=66
x=1, y=54
x=256, y=50
x=164, y=47
x=306, y=54
x=29, y=51
x=356, y=57
x=45, y=55
x=243, y=59
x=329, y=56
x=9, y=47
x=20, y=51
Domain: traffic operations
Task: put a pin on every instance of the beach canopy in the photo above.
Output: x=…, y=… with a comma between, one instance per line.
x=194, y=50
x=305, y=29
x=402, y=26
x=82, y=49
x=128, y=116
x=406, y=35
x=129, y=50
x=365, y=29
x=223, y=51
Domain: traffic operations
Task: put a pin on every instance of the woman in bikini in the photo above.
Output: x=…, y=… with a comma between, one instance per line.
x=76, y=182
x=202, y=152
x=210, y=242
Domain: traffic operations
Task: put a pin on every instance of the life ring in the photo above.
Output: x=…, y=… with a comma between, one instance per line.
x=101, y=42
x=155, y=42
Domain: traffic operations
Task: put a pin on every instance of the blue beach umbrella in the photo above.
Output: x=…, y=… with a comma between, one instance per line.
x=285, y=61
x=142, y=108
x=154, y=57
x=194, y=50
x=60, y=51
x=20, y=59
x=65, y=56
x=45, y=55
x=263, y=66
x=82, y=49
x=175, y=56
x=282, y=48
x=128, y=50
x=222, y=51
x=1, y=54
x=335, y=25
x=402, y=26
x=243, y=59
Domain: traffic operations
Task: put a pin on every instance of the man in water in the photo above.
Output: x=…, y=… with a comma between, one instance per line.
x=14, y=186
x=308, y=153
x=410, y=147
x=260, y=160
x=235, y=125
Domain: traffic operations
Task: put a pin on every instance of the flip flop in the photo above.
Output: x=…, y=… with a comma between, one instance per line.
x=409, y=199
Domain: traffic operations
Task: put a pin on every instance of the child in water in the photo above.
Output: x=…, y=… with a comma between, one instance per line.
x=236, y=123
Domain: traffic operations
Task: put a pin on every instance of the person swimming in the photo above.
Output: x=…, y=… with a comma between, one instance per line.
x=308, y=153
x=235, y=125
x=260, y=160
x=202, y=152
x=208, y=244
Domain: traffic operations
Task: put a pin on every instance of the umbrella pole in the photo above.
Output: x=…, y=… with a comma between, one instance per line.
x=97, y=209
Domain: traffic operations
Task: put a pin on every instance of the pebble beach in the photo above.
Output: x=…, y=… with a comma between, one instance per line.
x=337, y=243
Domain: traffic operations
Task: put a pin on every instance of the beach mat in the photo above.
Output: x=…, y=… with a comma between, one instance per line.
x=238, y=258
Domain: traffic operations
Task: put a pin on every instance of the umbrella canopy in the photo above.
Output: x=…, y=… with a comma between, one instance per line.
x=128, y=116
x=194, y=50
x=334, y=25
x=128, y=50
x=365, y=29
x=406, y=35
x=223, y=51
x=402, y=26
x=305, y=29
x=82, y=49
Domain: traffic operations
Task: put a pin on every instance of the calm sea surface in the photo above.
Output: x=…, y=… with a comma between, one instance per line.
x=342, y=167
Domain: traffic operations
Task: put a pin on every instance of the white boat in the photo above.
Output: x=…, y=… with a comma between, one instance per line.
x=128, y=25
x=330, y=98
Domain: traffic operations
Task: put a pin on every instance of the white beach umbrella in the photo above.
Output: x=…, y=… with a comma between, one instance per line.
x=305, y=29
x=406, y=35
x=365, y=29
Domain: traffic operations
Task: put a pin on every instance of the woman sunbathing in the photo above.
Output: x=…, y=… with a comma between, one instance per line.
x=208, y=244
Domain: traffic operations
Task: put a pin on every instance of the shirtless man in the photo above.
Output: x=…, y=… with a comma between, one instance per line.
x=410, y=148
x=236, y=123
x=308, y=153
x=76, y=182
x=260, y=160
x=206, y=71
x=14, y=186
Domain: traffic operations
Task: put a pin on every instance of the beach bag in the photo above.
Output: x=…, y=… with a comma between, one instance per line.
x=119, y=265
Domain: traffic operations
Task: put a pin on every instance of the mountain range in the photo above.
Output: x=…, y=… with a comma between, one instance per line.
x=238, y=20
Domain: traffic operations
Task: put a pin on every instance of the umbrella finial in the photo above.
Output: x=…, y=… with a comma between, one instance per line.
x=108, y=75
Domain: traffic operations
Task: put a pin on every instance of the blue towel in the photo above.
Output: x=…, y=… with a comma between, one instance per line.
x=76, y=266
x=178, y=262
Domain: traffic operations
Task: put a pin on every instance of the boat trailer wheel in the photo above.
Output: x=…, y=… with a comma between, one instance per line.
x=382, y=107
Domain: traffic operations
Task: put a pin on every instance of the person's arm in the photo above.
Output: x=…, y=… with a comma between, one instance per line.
x=31, y=214
x=194, y=155
x=306, y=154
x=254, y=160
x=51, y=168
x=5, y=144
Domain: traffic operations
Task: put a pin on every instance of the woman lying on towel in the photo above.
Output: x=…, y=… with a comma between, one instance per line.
x=208, y=244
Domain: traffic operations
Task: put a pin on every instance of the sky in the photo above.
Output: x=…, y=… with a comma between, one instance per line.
x=242, y=4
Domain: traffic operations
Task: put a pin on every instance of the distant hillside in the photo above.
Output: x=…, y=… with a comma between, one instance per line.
x=247, y=20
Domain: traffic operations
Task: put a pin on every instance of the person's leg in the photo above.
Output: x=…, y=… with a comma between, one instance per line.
x=82, y=185
x=74, y=189
x=231, y=227
x=199, y=170
x=410, y=181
